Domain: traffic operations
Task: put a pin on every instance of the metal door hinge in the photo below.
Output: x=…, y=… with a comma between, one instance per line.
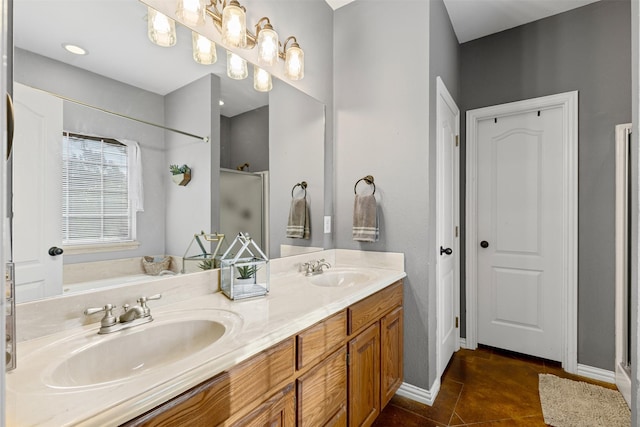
x=456, y=231
x=457, y=140
x=457, y=322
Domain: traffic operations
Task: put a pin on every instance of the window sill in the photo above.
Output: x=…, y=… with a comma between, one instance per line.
x=102, y=247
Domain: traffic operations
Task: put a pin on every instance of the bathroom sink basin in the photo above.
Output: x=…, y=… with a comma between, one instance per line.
x=341, y=278
x=121, y=355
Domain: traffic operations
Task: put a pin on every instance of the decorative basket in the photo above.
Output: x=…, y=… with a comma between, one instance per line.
x=153, y=267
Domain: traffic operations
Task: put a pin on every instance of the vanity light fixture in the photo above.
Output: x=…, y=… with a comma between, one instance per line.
x=261, y=80
x=267, y=43
x=236, y=67
x=230, y=19
x=161, y=28
x=191, y=12
x=75, y=49
x=204, y=50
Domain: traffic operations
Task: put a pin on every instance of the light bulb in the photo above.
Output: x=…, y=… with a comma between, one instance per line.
x=236, y=67
x=267, y=46
x=204, y=50
x=161, y=29
x=191, y=12
x=261, y=80
x=234, y=25
x=294, y=63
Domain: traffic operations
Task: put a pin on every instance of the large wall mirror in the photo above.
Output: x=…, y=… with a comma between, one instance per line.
x=168, y=112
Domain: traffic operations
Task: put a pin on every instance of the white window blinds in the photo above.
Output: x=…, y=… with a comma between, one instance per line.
x=95, y=191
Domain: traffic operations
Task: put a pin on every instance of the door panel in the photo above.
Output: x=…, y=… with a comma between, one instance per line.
x=37, y=193
x=520, y=202
x=447, y=219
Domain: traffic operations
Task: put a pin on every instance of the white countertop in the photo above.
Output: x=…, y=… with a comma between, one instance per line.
x=292, y=305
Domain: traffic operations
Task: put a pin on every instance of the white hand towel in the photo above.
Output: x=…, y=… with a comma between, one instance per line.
x=365, y=219
x=298, y=226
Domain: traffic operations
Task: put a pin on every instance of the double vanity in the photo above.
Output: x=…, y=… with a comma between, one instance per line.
x=317, y=350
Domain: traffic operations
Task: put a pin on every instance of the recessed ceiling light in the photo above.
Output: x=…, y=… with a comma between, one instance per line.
x=221, y=102
x=77, y=50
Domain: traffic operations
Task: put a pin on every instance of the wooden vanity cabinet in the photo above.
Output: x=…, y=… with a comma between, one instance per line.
x=340, y=371
x=375, y=353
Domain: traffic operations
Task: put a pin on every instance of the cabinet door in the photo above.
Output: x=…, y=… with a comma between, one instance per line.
x=364, y=377
x=391, y=341
x=322, y=392
x=278, y=411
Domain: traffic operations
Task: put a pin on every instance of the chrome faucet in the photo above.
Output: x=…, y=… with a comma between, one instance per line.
x=312, y=268
x=130, y=317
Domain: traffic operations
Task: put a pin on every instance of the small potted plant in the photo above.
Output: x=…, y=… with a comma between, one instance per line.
x=181, y=174
x=246, y=274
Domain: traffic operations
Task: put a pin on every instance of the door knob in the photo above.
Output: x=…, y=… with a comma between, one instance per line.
x=54, y=250
x=447, y=251
x=484, y=244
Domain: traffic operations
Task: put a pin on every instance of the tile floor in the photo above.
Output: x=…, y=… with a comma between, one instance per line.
x=485, y=387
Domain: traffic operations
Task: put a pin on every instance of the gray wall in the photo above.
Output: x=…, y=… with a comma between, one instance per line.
x=587, y=49
x=247, y=140
x=47, y=74
x=194, y=207
x=381, y=101
x=297, y=137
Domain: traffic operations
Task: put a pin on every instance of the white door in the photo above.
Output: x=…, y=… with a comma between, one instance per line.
x=37, y=193
x=520, y=229
x=447, y=251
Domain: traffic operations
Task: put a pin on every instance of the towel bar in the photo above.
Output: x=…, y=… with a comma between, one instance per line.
x=369, y=180
x=303, y=185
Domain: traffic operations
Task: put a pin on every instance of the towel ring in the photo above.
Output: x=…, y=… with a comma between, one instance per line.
x=303, y=185
x=369, y=180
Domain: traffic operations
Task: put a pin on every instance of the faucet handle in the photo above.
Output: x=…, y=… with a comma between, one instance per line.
x=143, y=303
x=94, y=310
x=109, y=319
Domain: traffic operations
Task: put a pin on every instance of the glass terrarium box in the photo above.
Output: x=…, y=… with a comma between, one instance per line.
x=244, y=269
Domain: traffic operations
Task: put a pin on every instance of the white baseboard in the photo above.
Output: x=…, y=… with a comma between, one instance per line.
x=419, y=394
x=596, y=373
x=462, y=342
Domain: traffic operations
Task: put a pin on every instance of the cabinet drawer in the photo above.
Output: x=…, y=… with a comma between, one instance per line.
x=314, y=343
x=371, y=309
x=228, y=393
x=322, y=392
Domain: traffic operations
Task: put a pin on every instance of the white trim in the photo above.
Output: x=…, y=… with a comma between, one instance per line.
x=622, y=378
x=419, y=394
x=100, y=247
x=462, y=342
x=597, y=374
x=443, y=93
x=568, y=101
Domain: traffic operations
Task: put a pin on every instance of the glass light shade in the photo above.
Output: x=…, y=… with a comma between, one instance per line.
x=191, y=12
x=234, y=26
x=267, y=46
x=204, y=50
x=236, y=67
x=161, y=29
x=261, y=80
x=294, y=63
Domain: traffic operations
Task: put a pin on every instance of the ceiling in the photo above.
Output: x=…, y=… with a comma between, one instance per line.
x=114, y=32
x=473, y=19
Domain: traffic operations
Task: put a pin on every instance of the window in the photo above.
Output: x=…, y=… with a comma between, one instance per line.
x=96, y=202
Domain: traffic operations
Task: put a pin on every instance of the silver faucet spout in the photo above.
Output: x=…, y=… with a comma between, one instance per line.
x=131, y=313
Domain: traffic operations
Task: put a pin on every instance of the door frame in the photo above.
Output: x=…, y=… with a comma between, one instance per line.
x=568, y=101
x=442, y=92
